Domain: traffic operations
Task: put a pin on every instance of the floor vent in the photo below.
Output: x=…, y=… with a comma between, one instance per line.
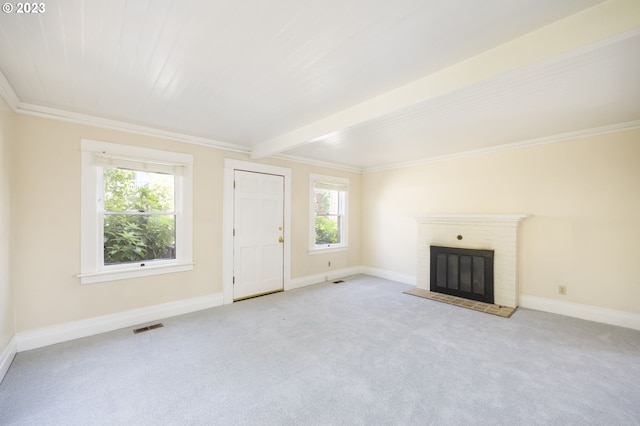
x=338, y=282
x=147, y=328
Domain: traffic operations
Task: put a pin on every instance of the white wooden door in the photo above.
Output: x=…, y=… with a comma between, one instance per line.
x=258, y=249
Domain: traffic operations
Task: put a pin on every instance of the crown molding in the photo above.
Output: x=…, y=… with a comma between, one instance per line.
x=320, y=163
x=62, y=115
x=9, y=95
x=74, y=117
x=613, y=128
x=455, y=219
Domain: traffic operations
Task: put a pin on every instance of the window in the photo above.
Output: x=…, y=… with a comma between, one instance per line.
x=136, y=212
x=138, y=216
x=328, y=213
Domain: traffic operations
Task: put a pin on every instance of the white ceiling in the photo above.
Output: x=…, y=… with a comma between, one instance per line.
x=242, y=73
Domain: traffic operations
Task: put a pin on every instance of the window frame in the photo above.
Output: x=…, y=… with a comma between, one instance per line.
x=344, y=237
x=92, y=267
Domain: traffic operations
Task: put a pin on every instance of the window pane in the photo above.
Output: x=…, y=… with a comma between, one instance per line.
x=135, y=238
x=133, y=190
x=323, y=202
x=329, y=197
x=329, y=202
x=327, y=229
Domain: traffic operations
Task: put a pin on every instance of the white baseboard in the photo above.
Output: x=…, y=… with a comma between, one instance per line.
x=6, y=357
x=74, y=330
x=345, y=272
x=91, y=326
x=320, y=278
x=390, y=275
x=586, y=312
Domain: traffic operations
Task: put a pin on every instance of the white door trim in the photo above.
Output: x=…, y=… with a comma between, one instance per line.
x=230, y=165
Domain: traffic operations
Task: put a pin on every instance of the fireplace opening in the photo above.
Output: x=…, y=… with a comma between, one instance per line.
x=462, y=272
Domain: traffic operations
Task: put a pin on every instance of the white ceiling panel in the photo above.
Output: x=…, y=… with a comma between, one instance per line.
x=585, y=91
x=244, y=72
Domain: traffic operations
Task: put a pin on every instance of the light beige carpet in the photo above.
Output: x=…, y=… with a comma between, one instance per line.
x=359, y=353
x=501, y=311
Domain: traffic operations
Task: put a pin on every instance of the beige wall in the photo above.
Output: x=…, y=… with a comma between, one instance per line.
x=7, y=326
x=584, y=196
x=303, y=264
x=47, y=229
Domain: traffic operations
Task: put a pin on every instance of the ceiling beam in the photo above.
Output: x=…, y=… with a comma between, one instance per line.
x=608, y=20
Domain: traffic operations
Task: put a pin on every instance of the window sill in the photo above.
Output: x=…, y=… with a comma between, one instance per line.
x=322, y=250
x=126, y=273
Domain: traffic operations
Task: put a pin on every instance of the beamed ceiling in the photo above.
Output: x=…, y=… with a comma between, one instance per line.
x=359, y=84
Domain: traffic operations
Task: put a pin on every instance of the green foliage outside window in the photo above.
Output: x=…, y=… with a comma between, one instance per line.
x=326, y=230
x=143, y=236
x=327, y=219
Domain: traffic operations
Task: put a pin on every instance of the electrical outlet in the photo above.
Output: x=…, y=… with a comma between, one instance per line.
x=562, y=290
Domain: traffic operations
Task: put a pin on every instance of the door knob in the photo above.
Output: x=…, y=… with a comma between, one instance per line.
x=280, y=239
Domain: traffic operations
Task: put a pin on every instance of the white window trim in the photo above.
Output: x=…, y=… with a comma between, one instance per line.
x=91, y=258
x=329, y=248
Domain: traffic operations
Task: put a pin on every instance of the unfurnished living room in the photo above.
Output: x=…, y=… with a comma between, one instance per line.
x=320, y=213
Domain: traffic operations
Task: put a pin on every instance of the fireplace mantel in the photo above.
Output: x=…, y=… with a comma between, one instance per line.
x=498, y=232
x=466, y=218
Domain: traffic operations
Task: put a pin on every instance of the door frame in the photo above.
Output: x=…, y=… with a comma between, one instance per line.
x=230, y=166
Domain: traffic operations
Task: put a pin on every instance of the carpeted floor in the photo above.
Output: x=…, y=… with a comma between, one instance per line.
x=360, y=352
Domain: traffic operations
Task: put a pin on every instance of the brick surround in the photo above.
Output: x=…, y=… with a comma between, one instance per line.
x=484, y=232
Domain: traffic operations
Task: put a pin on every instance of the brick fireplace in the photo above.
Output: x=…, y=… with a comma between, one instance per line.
x=481, y=232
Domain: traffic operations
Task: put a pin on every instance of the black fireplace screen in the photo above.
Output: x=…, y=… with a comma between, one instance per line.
x=466, y=273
